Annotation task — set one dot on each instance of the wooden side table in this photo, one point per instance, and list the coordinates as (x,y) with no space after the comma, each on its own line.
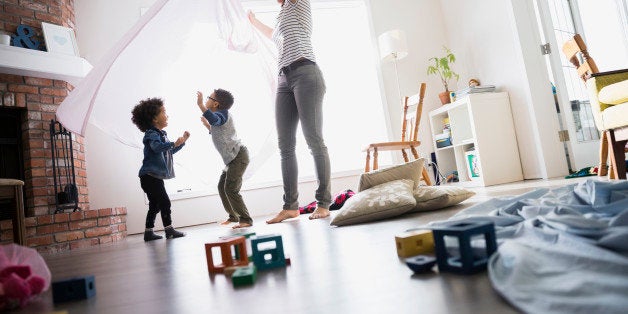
(12,189)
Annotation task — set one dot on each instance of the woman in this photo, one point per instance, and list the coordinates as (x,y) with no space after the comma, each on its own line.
(300,93)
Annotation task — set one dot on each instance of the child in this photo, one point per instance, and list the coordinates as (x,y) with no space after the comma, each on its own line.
(151,118)
(220,124)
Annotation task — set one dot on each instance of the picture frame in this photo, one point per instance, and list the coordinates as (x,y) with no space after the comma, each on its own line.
(60,39)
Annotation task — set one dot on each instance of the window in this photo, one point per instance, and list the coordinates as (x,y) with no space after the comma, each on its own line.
(353,106)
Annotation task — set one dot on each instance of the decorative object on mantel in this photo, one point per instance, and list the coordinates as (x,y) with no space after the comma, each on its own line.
(25,38)
(5,38)
(443,70)
(60,39)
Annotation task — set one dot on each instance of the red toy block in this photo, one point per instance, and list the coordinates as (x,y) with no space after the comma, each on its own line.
(239,244)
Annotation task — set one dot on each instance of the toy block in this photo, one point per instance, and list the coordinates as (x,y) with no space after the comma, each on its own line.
(277,257)
(229,270)
(79,288)
(244,276)
(421,263)
(245,234)
(288,261)
(466,262)
(239,243)
(414,243)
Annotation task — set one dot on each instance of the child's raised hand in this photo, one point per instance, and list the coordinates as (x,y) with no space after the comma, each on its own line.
(206,123)
(199,101)
(182,139)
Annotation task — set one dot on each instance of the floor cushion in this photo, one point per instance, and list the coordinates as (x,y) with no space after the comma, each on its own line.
(382,201)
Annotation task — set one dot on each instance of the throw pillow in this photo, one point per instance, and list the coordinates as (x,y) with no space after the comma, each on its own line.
(381,201)
(436,197)
(410,170)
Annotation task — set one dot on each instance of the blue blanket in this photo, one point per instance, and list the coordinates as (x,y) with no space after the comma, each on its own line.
(563,250)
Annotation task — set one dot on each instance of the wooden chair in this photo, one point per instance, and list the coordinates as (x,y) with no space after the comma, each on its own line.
(408,140)
(607,94)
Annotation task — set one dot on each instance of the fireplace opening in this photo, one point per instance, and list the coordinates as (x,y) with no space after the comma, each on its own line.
(11,153)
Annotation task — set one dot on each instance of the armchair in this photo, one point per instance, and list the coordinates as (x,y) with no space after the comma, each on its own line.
(608,95)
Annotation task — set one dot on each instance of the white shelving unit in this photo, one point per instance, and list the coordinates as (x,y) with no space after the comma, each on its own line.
(484,122)
(35,63)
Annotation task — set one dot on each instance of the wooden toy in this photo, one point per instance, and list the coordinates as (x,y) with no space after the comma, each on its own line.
(466,262)
(79,288)
(421,263)
(275,254)
(245,234)
(239,244)
(414,243)
(244,276)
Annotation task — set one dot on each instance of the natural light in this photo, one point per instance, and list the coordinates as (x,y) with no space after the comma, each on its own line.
(353,106)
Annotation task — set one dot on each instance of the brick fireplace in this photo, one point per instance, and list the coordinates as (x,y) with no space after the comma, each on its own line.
(27,106)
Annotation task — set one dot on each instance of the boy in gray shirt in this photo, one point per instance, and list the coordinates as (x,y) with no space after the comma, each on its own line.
(220,124)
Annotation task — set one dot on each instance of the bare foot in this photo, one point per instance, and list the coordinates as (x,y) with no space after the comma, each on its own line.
(241,225)
(226,222)
(319,212)
(283,215)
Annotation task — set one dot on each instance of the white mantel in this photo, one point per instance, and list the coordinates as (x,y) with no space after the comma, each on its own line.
(35,63)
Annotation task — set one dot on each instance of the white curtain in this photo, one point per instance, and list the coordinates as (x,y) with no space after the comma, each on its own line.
(153,60)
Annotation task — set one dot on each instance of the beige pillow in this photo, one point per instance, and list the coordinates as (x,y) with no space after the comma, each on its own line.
(382,201)
(436,197)
(409,170)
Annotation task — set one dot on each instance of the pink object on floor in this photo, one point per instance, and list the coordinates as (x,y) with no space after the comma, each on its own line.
(23,275)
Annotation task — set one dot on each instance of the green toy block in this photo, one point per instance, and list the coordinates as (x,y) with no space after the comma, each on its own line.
(245,234)
(244,276)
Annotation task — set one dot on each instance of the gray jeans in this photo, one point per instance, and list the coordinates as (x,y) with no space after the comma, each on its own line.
(229,188)
(300,95)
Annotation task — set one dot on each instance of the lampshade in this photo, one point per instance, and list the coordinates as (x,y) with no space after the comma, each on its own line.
(393,45)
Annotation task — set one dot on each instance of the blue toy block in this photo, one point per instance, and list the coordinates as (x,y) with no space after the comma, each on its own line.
(73,289)
(421,263)
(465,263)
(277,257)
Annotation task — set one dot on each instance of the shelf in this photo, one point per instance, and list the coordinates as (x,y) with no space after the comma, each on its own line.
(42,64)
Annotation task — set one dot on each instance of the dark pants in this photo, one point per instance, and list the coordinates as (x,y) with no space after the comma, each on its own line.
(229,188)
(158,200)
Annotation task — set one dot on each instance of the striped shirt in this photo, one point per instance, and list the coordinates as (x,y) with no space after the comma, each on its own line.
(293,32)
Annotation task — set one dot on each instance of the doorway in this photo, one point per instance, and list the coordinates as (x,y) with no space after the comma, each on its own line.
(558,21)
(11,160)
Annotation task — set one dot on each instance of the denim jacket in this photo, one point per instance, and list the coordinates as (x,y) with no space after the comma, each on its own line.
(158,151)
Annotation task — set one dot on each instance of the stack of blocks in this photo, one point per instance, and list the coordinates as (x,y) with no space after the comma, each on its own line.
(426,241)
(243,273)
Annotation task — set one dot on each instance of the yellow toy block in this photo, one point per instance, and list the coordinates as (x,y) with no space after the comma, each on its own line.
(414,243)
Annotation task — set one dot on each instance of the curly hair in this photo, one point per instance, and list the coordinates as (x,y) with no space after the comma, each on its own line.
(224,98)
(144,113)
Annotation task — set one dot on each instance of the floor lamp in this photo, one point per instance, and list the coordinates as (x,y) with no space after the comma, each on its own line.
(393,47)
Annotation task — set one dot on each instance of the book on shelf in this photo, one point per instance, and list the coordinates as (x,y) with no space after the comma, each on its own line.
(475,90)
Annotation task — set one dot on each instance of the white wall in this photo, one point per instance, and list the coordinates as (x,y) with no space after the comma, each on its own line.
(484,36)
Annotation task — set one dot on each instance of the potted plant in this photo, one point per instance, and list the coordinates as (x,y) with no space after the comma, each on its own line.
(442,68)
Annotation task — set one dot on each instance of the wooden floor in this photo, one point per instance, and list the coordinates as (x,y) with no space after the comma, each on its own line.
(352,269)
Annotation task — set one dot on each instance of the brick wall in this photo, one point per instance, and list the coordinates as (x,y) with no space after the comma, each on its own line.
(67,231)
(37,100)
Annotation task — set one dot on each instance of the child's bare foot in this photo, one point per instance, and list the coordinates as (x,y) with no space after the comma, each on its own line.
(319,212)
(283,215)
(242,225)
(227,222)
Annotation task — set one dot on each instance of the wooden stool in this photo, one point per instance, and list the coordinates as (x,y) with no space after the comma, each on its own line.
(12,189)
